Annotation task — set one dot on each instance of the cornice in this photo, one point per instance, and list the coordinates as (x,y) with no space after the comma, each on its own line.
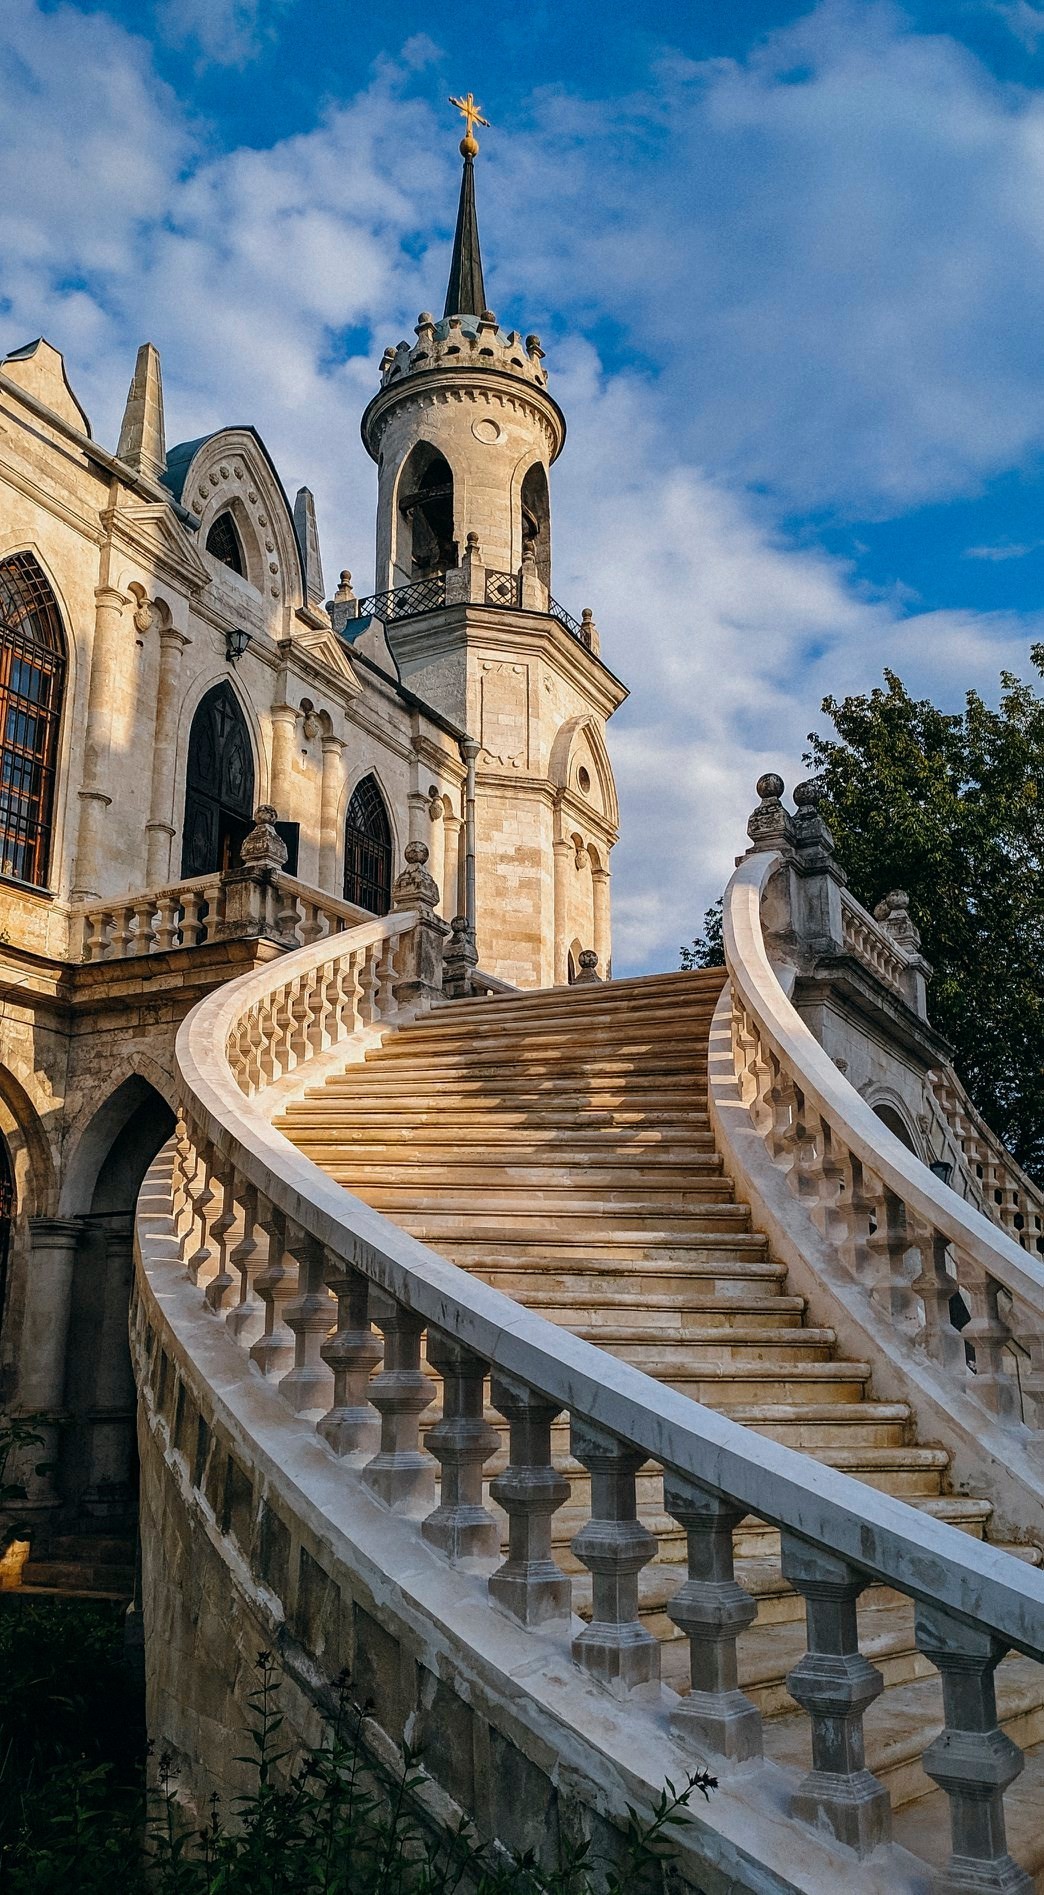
(464,383)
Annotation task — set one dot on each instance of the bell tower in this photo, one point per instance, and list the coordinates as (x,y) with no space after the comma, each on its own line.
(464,433)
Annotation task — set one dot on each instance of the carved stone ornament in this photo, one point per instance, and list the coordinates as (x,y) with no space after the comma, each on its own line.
(414,887)
(263,848)
(144,615)
(893,912)
(588,974)
(769,825)
(435,808)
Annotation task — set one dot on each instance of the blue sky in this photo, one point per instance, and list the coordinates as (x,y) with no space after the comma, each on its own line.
(787,262)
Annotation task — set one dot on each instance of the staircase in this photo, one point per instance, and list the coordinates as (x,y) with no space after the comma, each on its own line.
(557,1144)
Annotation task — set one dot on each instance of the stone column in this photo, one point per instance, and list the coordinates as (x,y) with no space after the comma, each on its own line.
(451,828)
(45,1331)
(284,725)
(329,804)
(94,793)
(602,932)
(159,829)
(563,853)
(470,750)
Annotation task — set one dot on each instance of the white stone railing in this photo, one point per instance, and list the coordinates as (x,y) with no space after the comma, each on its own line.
(997,1184)
(296,1272)
(869,944)
(199,909)
(890,1225)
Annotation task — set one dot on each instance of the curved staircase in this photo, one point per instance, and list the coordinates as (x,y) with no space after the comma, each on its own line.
(557,1144)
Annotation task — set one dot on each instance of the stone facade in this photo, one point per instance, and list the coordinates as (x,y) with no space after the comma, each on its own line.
(192,635)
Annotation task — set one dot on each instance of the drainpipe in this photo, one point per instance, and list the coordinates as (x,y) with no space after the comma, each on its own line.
(469,750)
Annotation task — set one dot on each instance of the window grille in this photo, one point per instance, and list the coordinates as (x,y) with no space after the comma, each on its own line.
(32,678)
(368,850)
(223,543)
(502,588)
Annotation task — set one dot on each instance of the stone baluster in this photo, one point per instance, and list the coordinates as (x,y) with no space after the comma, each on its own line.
(201,1197)
(308,1386)
(282,1019)
(858,1207)
(369,986)
(828,1212)
(615,1648)
(1031,1335)
(529,1585)
(123,938)
(989,1336)
(222,1283)
(972,1759)
(167,934)
(834,1683)
(779,1099)
(144,913)
(184,1166)
(193,926)
(711,1609)
(462,1442)
(274,1349)
(401,1473)
(352,1425)
(288,915)
(935,1286)
(889,1248)
(246,1317)
(803,1173)
(385,996)
(301,1016)
(319,1030)
(340,999)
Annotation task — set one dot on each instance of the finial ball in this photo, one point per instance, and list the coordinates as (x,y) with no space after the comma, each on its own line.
(469,146)
(807,795)
(769,786)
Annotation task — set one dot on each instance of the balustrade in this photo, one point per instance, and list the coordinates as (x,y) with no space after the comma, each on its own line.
(230,1175)
(190,913)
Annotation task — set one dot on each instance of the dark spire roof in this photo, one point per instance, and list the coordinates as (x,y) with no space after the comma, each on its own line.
(466,295)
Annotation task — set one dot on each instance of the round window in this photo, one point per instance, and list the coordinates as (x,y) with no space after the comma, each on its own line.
(583,777)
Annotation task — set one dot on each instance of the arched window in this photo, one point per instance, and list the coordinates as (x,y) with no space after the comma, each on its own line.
(32,678)
(426,542)
(536,521)
(219,785)
(224,543)
(368,850)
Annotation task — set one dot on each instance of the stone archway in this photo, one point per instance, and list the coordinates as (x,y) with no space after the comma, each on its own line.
(97,1460)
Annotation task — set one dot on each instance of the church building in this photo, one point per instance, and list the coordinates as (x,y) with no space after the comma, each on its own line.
(173,682)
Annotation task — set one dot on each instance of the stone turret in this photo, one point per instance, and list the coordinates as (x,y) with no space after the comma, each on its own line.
(464,433)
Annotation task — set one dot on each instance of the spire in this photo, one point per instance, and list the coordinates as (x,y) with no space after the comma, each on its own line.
(142,443)
(466,294)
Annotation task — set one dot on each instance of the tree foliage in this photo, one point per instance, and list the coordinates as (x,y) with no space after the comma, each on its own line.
(950,807)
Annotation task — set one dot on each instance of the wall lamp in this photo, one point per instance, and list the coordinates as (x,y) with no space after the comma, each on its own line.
(236,643)
(940,1169)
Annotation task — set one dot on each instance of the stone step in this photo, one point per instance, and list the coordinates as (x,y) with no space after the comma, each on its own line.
(526,1068)
(391,1164)
(726,1266)
(103,1578)
(702,1348)
(680,1093)
(650,1125)
(704,1198)
(629,1040)
(671,1319)
(584,1223)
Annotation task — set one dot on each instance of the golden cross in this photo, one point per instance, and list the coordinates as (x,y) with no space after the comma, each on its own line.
(473,116)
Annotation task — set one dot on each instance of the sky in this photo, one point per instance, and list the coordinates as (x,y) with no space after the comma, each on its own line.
(787,263)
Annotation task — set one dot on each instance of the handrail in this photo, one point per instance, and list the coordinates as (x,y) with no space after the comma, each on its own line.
(233,1170)
(891,1213)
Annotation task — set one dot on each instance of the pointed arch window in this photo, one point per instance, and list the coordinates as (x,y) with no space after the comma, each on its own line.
(32,681)
(224,543)
(368,849)
(219,785)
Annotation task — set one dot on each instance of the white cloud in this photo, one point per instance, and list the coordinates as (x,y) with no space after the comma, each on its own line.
(226,32)
(829,262)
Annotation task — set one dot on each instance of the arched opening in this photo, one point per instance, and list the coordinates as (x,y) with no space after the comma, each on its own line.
(368,849)
(224,543)
(896,1125)
(219,785)
(98,1457)
(32,680)
(536,522)
(426,542)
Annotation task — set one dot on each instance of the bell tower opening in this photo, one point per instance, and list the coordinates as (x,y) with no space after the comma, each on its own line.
(536,522)
(426,545)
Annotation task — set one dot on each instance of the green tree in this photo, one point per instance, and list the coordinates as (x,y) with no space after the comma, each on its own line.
(950,808)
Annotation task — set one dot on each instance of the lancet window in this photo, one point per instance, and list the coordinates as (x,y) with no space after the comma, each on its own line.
(368,849)
(32,680)
(224,543)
